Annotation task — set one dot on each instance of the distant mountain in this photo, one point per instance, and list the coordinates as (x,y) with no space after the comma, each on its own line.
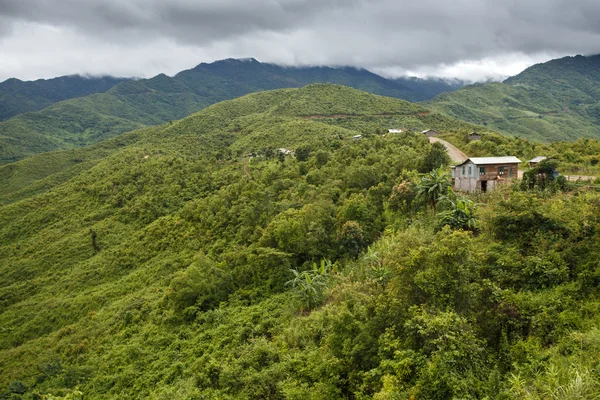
(262,76)
(18,96)
(136,103)
(556,100)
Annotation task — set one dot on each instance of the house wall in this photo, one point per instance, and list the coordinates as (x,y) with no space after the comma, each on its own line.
(493,171)
(467,178)
(468,170)
(466,184)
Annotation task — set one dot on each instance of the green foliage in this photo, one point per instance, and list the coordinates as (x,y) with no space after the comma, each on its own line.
(310,283)
(543,176)
(198,232)
(435,159)
(433,187)
(459,213)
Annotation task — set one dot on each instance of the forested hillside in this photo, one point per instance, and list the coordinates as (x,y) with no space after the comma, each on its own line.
(137,103)
(17,97)
(195,260)
(554,101)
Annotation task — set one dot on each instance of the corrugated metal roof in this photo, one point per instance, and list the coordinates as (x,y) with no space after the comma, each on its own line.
(537,159)
(493,160)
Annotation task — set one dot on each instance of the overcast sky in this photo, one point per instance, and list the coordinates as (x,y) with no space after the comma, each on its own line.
(467,39)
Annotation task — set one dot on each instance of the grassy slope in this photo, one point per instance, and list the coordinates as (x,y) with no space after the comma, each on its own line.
(133,104)
(548,102)
(178,211)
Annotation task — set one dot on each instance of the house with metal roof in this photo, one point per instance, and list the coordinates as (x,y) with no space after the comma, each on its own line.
(484,173)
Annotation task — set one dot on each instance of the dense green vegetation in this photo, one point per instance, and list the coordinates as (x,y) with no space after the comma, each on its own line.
(554,101)
(17,97)
(137,103)
(192,260)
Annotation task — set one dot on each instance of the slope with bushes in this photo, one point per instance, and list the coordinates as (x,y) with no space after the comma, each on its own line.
(192,260)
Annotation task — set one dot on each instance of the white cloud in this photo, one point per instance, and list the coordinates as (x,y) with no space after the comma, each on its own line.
(488,68)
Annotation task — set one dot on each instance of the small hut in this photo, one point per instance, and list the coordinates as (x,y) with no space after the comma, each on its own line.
(536,160)
(430,132)
(474,136)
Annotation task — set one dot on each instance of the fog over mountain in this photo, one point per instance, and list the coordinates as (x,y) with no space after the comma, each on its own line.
(468,39)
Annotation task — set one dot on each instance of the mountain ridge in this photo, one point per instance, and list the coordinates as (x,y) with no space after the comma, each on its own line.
(552,101)
(135,103)
(18,96)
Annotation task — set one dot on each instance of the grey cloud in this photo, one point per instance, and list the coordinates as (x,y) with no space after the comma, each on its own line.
(377,34)
(183,20)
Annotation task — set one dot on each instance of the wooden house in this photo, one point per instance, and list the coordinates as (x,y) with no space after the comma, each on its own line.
(484,173)
(430,132)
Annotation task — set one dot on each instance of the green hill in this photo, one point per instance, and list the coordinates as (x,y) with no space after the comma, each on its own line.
(176,262)
(137,103)
(17,97)
(554,101)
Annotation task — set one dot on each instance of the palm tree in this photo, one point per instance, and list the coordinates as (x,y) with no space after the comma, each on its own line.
(433,186)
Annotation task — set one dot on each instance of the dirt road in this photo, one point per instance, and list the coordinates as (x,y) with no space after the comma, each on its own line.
(455,154)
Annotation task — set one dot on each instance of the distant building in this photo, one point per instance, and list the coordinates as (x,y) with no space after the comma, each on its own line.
(534,161)
(430,132)
(474,136)
(484,173)
(285,152)
(395,130)
(356,137)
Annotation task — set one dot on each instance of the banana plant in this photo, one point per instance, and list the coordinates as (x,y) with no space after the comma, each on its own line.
(309,284)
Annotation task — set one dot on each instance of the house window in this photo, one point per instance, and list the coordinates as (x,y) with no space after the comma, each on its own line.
(481,171)
(469,170)
(510,172)
(501,170)
(463,171)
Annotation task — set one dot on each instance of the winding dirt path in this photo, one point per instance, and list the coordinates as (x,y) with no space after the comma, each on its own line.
(455,154)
